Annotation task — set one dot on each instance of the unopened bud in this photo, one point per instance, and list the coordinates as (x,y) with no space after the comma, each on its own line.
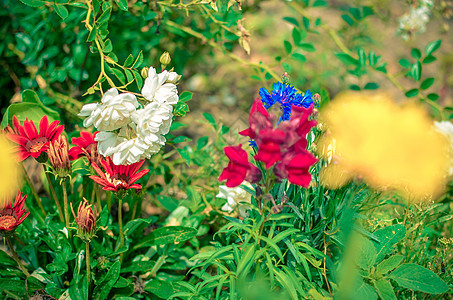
(59,157)
(165,59)
(144,72)
(285,78)
(86,220)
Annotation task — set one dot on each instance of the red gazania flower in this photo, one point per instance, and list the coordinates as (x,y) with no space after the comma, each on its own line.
(30,141)
(85,146)
(11,217)
(239,168)
(119,177)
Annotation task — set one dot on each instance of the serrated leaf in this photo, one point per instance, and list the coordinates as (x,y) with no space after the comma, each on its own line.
(61,10)
(428,82)
(389,264)
(415,277)
(384,289)
(433,46)
(388,237)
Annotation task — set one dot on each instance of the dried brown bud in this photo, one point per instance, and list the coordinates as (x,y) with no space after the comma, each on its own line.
(58,154)
(86,220)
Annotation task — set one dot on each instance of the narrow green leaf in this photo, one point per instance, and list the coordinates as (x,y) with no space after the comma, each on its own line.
(306,22)
(415,277)
(428,82)
(296,36)
(291,21)
(119,75)
(362,57)
(33,3)
(433,46)
(138,79)
(129,75)
(129,60)
(138,61)
(105,16)
(210,119)
(372,58)
(92,34)
(385,289)
(139,266)
(167,235)
(416,71)
(347,59)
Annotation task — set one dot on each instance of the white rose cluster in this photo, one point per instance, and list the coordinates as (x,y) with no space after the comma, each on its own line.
(129,132)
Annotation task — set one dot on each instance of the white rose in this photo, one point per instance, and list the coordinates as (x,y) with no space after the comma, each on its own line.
(159,87)
(113,112)
(236,197)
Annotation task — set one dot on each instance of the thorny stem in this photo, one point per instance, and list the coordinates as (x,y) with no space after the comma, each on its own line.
(87,262)
(16,257)
(35,194)
(54,195)
(66,210)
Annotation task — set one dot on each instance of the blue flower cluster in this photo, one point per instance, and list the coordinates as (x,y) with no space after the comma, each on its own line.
(286,95)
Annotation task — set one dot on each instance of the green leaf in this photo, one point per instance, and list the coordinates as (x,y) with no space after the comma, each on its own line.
(92,34)
(181,139)
(411,93)
(103,288)
(138,79)
(371,86)
(307,47)
(384,289)
(167,202)
(296,36)
(416,71)
(185,155)
(139,266)
(288,47)
(364,292)
(210,119)
(105,16)
(404,63)
(362,57)
(388,236)
(433,46)
(177,125)
(119,75)
(122,4)
(347,59)
(416,53)
(429,59)
(129,75)
(367,255)
(33,3)
(5,260)
(61,10)
(433,96)
(348,19)
(129,60)
(163,289)
(415,277)
(389,264)
(167,235)
(427,83)
(306,22)
(292,21)
(372,59)
(138,61)
(185,96)
(299,57)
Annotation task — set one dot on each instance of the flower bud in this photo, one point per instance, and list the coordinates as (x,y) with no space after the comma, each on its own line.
(144,72)
(86,220)
(59,157)
(165,59)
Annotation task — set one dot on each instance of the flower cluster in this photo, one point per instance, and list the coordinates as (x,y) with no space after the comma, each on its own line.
(416,20)
(282,147)
(286,96)
(128,132)
(236,197)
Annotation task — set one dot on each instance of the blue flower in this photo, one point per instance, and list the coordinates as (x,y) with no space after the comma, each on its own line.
(286,95)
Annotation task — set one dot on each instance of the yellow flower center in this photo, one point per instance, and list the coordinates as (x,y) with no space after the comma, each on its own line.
(7,221)
(35,145)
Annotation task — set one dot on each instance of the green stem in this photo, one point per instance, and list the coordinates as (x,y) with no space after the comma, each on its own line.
(160,261)
(120,223)
(35,194)
(16,257)
(54,195)
(66,208)
(87,261)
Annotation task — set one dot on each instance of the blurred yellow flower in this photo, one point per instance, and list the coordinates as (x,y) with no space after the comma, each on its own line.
(387,145)
(9,175)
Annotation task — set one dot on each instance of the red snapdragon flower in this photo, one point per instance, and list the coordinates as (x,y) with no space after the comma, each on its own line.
(116,178)
(269,144)
(239,168)
(13,216)
(85,146)
(30,141)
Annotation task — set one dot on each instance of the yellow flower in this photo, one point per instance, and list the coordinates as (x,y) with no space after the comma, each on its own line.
(9,176)
(389,146)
